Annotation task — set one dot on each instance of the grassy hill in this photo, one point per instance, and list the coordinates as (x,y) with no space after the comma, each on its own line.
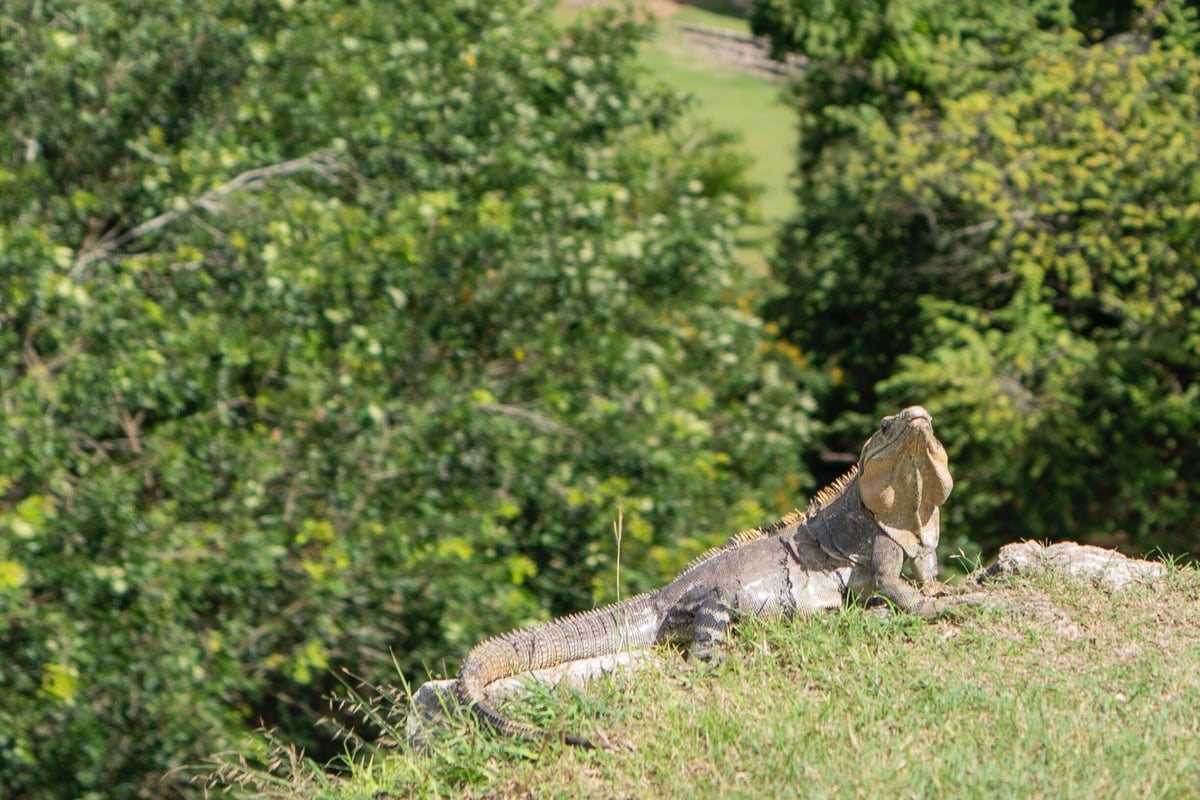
(1056,689)
(724,96)
(748,104)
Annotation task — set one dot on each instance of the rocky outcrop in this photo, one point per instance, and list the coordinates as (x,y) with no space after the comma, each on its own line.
(1107,569)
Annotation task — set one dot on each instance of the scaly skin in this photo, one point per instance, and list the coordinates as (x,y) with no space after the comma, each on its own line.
(849,546)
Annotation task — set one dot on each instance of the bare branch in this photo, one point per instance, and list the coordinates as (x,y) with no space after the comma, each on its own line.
(1019,217)
(540,422)
(322,163)
(828,456)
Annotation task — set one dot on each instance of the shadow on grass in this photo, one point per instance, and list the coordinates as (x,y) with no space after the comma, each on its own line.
(726,8)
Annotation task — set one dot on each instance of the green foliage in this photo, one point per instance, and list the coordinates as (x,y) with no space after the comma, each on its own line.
(874,64)
(1087,219)
(332,331)
(1016,250)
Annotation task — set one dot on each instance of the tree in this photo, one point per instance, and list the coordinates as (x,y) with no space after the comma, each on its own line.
(1000,221)
(336,335)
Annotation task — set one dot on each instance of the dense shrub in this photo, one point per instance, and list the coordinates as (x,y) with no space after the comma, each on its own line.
(999,220)
(333,333)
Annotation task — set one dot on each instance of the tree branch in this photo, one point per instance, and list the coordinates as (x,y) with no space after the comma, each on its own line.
(540,422)
(323,163)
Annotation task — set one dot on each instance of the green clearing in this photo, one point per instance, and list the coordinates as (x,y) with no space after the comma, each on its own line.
(734,100)
(714,13)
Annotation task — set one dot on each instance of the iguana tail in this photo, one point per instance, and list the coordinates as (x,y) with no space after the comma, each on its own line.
(608,630)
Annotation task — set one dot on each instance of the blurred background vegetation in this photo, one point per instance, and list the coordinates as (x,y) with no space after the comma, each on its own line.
(336,335)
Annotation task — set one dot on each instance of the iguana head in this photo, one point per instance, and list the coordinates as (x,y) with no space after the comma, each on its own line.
(904,477)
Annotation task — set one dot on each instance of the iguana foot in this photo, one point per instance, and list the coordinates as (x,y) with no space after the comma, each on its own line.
(953,602)
(601,742)
(930,607)
(708,655)
(937,588)
(880,611)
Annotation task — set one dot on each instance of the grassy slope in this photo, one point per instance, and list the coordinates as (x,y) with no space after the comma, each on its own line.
(1055,690)
(748,105)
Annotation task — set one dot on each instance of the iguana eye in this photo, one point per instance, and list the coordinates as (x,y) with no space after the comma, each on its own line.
(886,423)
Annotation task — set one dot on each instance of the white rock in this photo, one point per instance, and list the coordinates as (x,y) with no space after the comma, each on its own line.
(1105,568)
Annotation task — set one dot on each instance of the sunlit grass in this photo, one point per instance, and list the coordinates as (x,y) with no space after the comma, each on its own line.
(1055,689)
(729,98)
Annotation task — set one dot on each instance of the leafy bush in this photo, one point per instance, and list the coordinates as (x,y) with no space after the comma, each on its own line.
(337,332)
(1000,221)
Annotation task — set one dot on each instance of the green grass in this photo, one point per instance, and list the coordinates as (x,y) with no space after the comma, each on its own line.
(713,13)
(743,103)
(731,99)
(1053,690)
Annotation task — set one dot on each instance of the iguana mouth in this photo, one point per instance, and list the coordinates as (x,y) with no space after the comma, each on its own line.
(927,441)
(892,439)
(917,414)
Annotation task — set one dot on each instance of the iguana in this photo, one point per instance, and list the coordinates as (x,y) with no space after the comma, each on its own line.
(849,545)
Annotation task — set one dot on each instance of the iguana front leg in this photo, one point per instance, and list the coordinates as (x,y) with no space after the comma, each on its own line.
(887,560)
(924,566)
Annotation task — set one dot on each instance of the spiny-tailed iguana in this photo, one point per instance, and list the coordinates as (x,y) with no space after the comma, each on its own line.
(848,546)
